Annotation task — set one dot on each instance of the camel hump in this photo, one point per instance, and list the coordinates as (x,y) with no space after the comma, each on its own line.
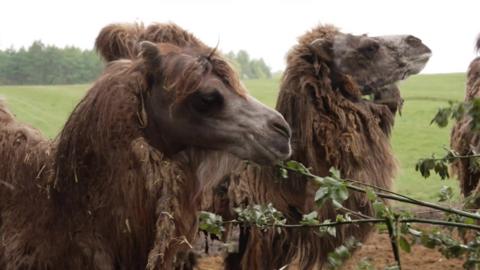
(5,115)
(477,44)
(117,41)
(473,80)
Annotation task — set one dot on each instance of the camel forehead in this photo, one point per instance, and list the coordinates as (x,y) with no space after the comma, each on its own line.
(348,40)
(213,82)
(406,45)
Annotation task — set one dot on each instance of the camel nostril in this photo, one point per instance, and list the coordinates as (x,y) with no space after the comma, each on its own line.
(281,128)
(413,41)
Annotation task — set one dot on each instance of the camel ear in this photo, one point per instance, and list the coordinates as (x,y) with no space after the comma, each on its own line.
(150,54)
(322,48)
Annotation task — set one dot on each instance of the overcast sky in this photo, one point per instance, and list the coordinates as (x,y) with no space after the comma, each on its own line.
(265,29)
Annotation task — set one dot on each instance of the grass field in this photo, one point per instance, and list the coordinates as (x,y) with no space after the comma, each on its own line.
(47,108)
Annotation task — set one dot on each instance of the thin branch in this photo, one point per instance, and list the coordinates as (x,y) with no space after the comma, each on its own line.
(430,205)
(395,197)
(329,224)
(354,213)
(394,242)
(370,220)
(440,222)
(377,188)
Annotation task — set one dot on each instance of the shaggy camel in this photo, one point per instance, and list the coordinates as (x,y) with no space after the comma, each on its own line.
(333,127)
(463,140)
(109,191)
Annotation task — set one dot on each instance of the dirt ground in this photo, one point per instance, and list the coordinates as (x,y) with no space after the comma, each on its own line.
(378,250)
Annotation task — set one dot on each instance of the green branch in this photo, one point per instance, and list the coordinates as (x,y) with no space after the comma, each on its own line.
(391,195)
(370,220)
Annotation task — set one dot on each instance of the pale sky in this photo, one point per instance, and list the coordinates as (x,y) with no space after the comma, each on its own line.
(265,29)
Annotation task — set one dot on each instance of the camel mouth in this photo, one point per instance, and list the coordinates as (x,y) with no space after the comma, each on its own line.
(423,58)
(274,152)
(416,65)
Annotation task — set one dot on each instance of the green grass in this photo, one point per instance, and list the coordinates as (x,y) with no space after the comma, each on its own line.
(414,137)
(47,108)
(44,107)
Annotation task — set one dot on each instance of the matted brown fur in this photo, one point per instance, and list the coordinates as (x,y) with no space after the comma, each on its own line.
(24,153)
(463,140)
(99,196)
(332,127)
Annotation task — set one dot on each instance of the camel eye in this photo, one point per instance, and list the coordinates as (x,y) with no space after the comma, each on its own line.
(207,102)
(370,49)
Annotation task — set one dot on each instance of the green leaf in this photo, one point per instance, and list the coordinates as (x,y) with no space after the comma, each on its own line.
(428,241)
(342,252)
(211,223)
(404,244)
(334,172)
(296,166)
(283,173)
(321,193)
(365,264)
(336,204)
(469,221)
(380,209)
(445,194)
(441,169)
(343,218)
(332,230)
(371,195)
(321,196)
(342,193)
(310,219)
(392,267)
(442,116)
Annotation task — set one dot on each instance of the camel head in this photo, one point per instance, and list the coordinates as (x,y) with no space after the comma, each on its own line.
(195,100)
(376,62)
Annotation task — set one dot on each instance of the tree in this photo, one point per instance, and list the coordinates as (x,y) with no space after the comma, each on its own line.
(48,64)
(247,67)
(41,64)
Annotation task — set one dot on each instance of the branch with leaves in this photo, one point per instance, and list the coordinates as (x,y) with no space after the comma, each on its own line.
(454,111)
(458,110)
(399,224)
(335,190)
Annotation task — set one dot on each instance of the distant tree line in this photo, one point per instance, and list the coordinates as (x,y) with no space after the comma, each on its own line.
(249,68)
(47,64)
(41,64)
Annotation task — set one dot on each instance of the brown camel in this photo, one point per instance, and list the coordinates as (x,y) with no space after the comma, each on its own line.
(118,187)
(320,96)
(464,140)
